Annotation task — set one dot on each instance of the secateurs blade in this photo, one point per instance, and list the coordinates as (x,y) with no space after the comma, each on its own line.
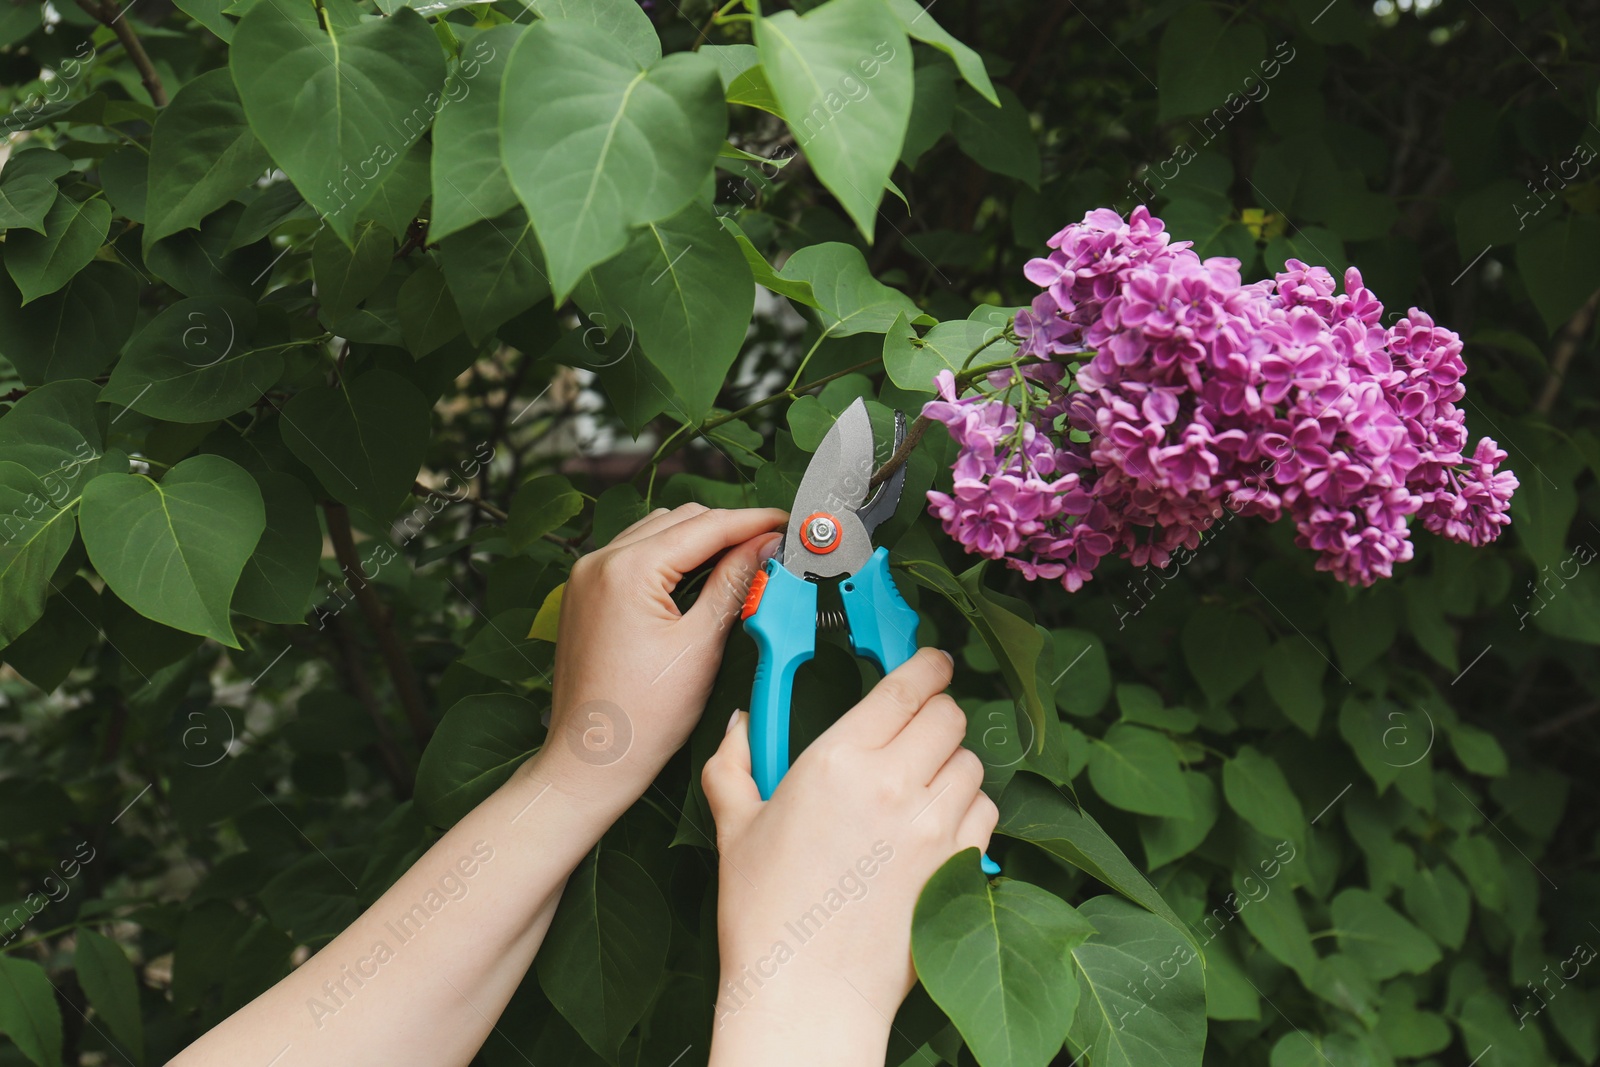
(829,537)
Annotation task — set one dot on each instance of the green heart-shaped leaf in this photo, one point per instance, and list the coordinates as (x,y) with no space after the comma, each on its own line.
(74,230)
(842,74)
(996,957)
(195,362)
(202,152)
(173,550)
(1144,1002)
(606,948)
(688,293)
(594,142)
(363,93)
(364,439)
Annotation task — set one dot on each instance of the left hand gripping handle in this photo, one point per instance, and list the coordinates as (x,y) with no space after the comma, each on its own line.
(781,615)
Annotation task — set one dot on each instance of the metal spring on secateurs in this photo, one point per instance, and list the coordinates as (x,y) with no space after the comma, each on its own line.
(830,619)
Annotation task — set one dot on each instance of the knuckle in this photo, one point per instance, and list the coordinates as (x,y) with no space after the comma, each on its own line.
(970,766)
(988,814)
(948,716)
(888,791)
(898,691)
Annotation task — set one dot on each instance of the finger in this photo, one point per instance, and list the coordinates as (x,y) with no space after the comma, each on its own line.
(730,789)
(958,781)
(884,712)
(682,546)
(656,521)
(976,828)
(725,590)
(932,738)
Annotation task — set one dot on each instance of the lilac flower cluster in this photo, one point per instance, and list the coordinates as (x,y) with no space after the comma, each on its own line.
(1194,392)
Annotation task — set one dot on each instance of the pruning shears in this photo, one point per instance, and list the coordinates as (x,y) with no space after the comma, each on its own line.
(829,537)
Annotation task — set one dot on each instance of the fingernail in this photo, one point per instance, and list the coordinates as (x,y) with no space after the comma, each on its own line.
(768,550)
(733,719)
(949,657)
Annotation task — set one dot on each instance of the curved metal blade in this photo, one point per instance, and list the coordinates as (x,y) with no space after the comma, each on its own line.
(835,483)
(884,502)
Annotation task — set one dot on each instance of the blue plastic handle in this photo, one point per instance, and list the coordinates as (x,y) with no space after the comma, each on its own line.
(784,626)
(883,628)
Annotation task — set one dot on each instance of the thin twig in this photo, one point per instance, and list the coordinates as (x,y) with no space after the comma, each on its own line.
(1568,342)
(482,505)
(919,426)
(356,677)
(381,623)
(109,12)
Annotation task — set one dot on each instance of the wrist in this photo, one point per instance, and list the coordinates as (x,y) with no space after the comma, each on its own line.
(774,1008)
(604,789)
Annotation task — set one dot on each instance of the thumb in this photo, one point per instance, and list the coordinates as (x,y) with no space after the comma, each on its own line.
(730,789)
(720,604)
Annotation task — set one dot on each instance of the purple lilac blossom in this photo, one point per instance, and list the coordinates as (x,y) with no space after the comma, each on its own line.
(1196,393)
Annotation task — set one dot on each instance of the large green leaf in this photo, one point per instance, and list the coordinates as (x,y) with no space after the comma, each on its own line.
(996,957)
(47,651)
(594,142)
(72,333)
(364,439)
(54,432)
(946,347)
(480,741)
(1439,903)
(918,21)
(1168,839)
(1272,915)
(113,990)
(34,537)
(1144,1002)
(1205,60)
(539,507)
(1224,650)
(278,580)
(688,293)
(337,108)
(606,949)
(504,649)
(842,74)
(494,270)
(428,315)
(1257,789)
(197,361)
(346,274)
(173,550)
(1031,809)
(849,299)
(469,180)
(28,187)
(1380,938)
(1292,670)
(202,152)
(28,1012)
(1560,265)
(1002,141)
(1137,770)
(74,230)
(622,20)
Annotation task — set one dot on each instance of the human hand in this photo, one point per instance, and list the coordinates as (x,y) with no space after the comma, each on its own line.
(817,885)
(632,673)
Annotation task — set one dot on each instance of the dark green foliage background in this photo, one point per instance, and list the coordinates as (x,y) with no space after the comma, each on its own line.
(1374,809)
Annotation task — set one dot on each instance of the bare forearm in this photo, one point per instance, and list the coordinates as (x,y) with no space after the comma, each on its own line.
(422,975)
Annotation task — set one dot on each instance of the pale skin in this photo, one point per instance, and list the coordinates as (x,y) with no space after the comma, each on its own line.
(890,773)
